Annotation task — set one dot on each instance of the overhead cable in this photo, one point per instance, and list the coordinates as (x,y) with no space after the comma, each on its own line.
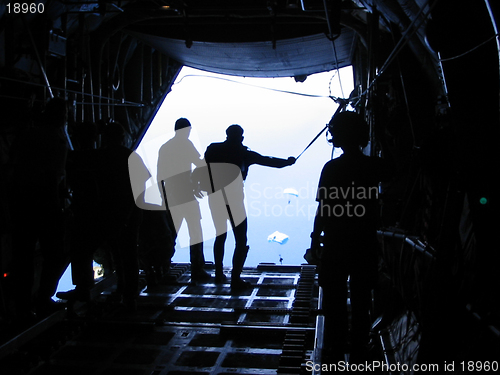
(471,50)
(257,86)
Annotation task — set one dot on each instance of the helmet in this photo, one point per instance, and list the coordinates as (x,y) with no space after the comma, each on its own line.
(349,129)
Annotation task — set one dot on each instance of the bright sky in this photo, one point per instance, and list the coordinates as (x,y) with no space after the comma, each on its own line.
(277,124)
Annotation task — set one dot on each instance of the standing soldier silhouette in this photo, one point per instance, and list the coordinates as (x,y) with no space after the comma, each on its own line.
(232,151)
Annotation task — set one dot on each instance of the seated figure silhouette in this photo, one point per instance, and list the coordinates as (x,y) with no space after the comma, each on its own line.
(105,216)
(347,217)
(156,237)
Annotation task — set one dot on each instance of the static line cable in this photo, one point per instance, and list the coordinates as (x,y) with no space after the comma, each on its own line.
(410,30)
(338,70)
(314,139)
(342,104)
(495,27)
(332,39)
(257,86)
(330,81)
(327,19)
(471,50)
(37,55)
(405,95)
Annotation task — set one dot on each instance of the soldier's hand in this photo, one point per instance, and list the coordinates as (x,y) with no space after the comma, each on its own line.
(291,160)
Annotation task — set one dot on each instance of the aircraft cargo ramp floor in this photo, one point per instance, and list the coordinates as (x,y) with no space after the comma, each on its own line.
(181,328)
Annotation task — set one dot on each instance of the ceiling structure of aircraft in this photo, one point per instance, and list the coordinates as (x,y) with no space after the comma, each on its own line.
(426,74)
(123,53)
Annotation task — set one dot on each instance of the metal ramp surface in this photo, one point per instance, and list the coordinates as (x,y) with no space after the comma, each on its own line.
(183,328)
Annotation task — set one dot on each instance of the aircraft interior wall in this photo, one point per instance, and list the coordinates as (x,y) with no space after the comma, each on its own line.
(439,216)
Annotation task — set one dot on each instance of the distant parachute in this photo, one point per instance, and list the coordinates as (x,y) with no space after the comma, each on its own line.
(290,192)
(278,237)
